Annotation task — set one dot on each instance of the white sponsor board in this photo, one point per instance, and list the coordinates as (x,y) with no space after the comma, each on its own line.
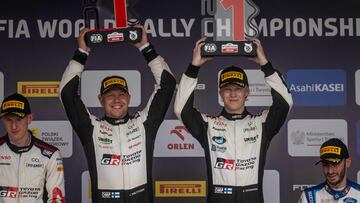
(305,136)
(271,186)
(1,87)
(91,82)
(260,94)
(56,133)
(85,187)
(357,87)
(174,140)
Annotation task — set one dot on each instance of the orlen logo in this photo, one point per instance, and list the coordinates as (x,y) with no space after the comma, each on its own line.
(178,132)
(318,87)
(111,159)
(227,164)
(39,89)
(9,192)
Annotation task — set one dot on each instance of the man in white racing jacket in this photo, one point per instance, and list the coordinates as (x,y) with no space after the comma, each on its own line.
(235,142)
(31,171)
(337,188)
(119,147)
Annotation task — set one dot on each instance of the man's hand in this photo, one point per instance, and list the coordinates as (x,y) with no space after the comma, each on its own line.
(81,40)
(260,57)
(197,59)
(144,38)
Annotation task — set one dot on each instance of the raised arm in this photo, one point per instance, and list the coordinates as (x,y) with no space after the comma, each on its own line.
(75,109)
(184,101)
(282,100)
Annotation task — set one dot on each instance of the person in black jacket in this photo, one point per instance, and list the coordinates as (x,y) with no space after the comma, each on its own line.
(118,146)
(235,141)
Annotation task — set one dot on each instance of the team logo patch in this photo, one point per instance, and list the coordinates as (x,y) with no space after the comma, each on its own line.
(219,139)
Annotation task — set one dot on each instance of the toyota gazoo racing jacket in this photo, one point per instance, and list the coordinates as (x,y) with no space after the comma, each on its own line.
(119,152)
(323,193)
(235,145)
(31,174)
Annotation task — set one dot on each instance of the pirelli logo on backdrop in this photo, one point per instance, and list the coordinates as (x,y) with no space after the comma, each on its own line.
(39,89)
(180,189)
(330,150)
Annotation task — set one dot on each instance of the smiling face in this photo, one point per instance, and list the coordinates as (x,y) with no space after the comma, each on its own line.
(335,174)
(115,102)
(234,98)
(17,128)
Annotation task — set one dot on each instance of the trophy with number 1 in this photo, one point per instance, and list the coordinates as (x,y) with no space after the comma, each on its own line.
(122,32)
(233,28)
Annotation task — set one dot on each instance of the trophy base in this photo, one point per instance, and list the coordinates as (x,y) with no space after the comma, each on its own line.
(113,35)
(228,48)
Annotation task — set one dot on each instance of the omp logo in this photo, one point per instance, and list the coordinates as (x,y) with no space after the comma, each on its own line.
(9,192)
(227,164)
(38,89)
(318,87)
(178,132)
(13,104)
(111,159)
(357,87)
(180,189)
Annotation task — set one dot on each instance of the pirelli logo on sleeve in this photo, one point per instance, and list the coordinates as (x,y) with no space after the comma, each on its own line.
(13,104)
(39,89)
(330,150)
(232,74)
(114,81)
(180,189)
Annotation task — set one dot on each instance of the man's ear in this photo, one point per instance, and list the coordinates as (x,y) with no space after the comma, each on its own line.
(30,118)
(100,99)
(348,162)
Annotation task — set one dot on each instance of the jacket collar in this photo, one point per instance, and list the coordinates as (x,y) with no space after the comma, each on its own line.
(232,116)
(17,149)
(114,121)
